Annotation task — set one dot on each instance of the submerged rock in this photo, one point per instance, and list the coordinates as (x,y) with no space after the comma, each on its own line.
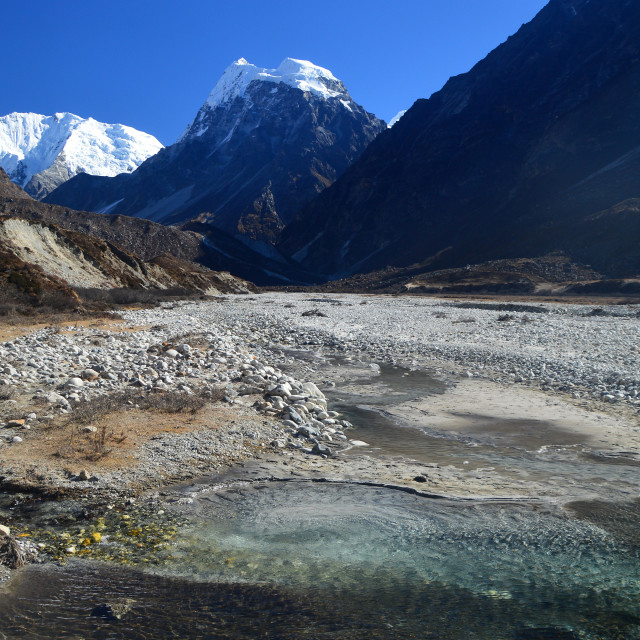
(113,611)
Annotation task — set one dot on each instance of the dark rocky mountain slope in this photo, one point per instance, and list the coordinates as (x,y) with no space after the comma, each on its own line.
(534,150)
(264,143)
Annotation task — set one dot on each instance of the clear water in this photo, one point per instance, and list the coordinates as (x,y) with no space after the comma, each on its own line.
(300,559)
(317,560)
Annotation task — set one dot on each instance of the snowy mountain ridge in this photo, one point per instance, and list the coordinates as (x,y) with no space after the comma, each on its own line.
(264,143)
(298,74)
(40,152)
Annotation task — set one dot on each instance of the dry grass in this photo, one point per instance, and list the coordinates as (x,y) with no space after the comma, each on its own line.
(62,448)
(161,401)
(96,444)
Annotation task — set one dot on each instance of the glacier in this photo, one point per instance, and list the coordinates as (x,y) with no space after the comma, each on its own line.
(31,143)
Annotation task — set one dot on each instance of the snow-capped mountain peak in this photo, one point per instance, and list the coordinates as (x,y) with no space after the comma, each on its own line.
(237,78)
(299,74)
(65,144)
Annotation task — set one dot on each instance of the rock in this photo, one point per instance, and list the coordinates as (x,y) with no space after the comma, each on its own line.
(75,382)
(82,475)
(282,390)
(321,449)
(312,390)
(16,439)
(90,375)
(359,443)
(295,416)
(4,531)
(171,353)
(314,312)
(11,555)
(249,390)
(279,444)
(15,424)
(90,429)
(420,479)
(113,611)
(308,431)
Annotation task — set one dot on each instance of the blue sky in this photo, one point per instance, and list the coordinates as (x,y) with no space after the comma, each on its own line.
(150,64)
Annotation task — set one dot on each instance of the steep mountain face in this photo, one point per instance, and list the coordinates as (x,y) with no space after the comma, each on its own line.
(527,153)
(39,152)
(264,143)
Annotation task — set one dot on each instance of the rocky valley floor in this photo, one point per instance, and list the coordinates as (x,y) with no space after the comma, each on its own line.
(458,399)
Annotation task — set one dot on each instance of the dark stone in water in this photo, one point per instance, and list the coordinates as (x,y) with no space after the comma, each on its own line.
(420,479)
(11,554)
(113,611)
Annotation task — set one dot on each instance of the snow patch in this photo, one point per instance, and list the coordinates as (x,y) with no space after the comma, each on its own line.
(301,254)
(110,207)
(299,74)
(396,118)
(30,143)
(346,105)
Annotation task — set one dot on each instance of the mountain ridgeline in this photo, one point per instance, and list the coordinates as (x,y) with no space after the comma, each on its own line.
(39,152)
(533,152)
(535,149)
(263,145)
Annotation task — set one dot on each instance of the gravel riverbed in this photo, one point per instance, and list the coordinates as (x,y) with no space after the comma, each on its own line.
(237,347)
(88,408)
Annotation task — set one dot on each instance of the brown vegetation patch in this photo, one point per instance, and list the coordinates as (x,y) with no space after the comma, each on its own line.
(63,447)
(17,325)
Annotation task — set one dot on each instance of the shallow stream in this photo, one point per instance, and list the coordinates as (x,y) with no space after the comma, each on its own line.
(302,559)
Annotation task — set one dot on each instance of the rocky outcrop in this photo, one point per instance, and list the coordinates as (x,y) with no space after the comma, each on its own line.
(203,245)
(512,159)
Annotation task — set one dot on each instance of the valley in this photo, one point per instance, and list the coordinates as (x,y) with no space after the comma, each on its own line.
(528,406)
(300,373)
